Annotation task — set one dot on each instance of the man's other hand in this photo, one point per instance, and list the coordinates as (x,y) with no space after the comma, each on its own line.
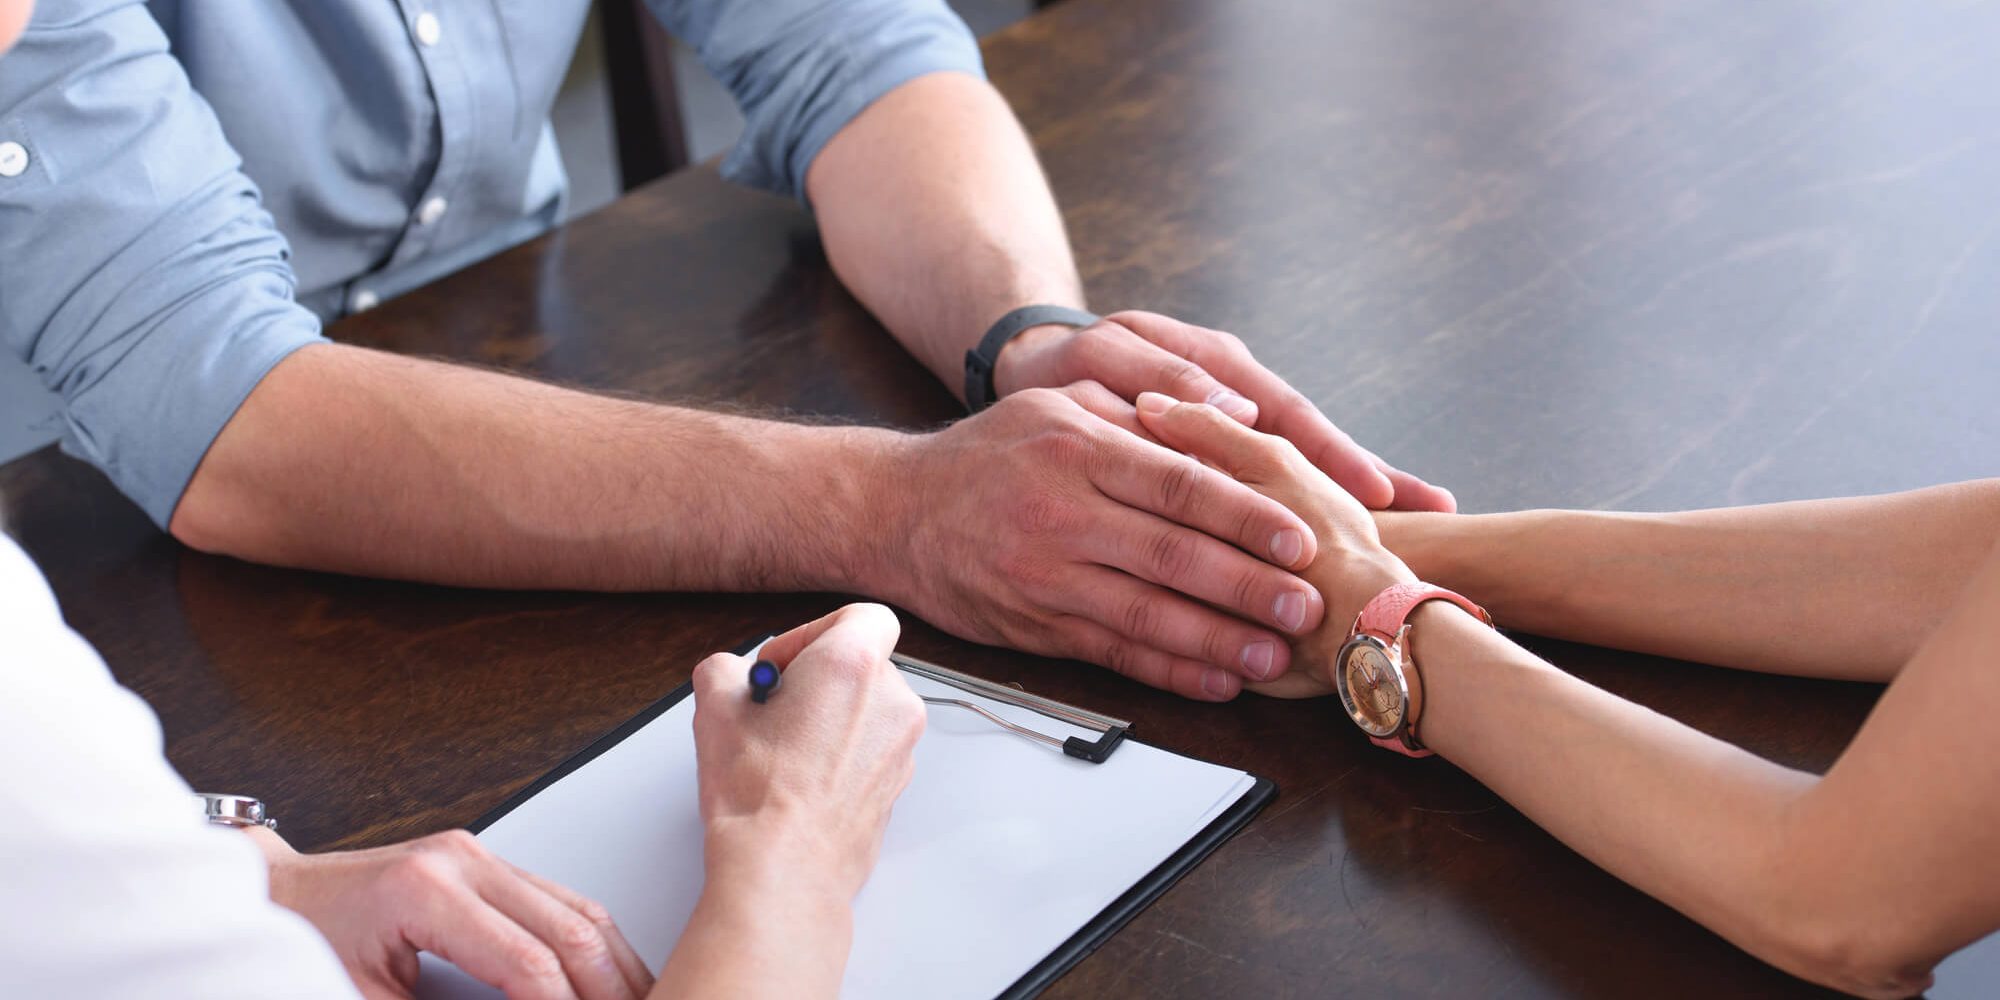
(1133,352)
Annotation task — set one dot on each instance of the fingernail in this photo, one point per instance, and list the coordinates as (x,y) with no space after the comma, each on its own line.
(1290,610)
(1216,683)
(1287,546)
(1259,657)
(1230,403)
(1154,404)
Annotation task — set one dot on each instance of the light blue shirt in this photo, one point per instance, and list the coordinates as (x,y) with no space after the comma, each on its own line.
(188,188)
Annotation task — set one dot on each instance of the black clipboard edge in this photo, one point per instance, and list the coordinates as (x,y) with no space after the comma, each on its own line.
(1092,935)
(582,757)
(1087,939)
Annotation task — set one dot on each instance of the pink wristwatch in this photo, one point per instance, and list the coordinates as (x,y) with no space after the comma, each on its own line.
(1375,674)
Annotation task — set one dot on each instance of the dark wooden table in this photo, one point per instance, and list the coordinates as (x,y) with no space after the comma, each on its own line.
(1644,255)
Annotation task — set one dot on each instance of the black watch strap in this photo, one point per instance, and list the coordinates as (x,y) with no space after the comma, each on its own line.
(979,361)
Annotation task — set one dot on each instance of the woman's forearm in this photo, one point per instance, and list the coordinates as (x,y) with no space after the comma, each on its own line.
(1832,588)
(1863,879)
(1702,825)
(764,928)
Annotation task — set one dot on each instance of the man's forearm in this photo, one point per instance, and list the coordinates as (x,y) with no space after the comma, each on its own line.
(1843,588)
(936,215)
(361,462)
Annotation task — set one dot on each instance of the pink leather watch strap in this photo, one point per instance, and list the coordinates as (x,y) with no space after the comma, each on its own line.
(1384,617)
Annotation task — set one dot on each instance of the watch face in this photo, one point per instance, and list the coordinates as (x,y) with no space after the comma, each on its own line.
(1371,688)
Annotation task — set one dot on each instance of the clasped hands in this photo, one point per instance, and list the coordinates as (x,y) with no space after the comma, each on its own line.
(1066,522)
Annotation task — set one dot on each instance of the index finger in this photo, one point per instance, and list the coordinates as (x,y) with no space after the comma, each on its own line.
(871,627)
(1175,486)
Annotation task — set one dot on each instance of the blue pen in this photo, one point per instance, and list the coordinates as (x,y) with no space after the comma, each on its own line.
(764,678)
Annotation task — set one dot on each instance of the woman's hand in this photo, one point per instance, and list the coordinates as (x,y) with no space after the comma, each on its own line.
(1352,565)
(795,796)
(447,895)
(814,771)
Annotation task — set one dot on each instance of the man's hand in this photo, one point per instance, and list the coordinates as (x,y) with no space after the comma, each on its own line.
(447,895)
(1134,352)
(1352,567)
(1050,524)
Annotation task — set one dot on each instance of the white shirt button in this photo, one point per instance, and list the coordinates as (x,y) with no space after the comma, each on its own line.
(431,211)
(13,159)
(362,300)
(428,28)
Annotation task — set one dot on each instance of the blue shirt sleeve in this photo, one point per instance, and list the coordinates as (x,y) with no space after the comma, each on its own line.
(801,69)
(140,276)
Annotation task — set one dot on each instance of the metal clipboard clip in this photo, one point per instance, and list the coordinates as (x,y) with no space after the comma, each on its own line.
(1111,732)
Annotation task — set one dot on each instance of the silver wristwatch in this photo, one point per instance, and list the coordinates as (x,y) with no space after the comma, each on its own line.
(234,810)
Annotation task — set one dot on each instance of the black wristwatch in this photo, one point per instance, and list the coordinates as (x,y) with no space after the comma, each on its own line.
(979,362)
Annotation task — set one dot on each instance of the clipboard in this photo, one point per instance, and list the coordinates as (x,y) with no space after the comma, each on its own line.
(1111,734)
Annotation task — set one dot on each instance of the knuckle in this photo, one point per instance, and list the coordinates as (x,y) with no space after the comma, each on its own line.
(1244,589)
(577,935)
(1141,615)
(1040,513)
(1183,375)
(424,872)
(710,668)
(593,911)
(1172,554)
(1267,455)
(1249,518)
(1216,644)
(1037,398)
(912,716)
(1177,486)
(1282,450)
(1092,395)
(1063,445)
(847,663)
(1119,657)
(1028,569)
(534,961)
(456,842)
(865,613)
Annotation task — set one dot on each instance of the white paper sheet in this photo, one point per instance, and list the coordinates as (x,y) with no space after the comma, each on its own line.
(1000,849)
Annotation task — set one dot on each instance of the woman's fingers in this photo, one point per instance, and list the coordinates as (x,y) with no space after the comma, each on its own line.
(1281,409)
(457,924)
(1413,493)
(578,939)
(1205,433)
(637,975)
